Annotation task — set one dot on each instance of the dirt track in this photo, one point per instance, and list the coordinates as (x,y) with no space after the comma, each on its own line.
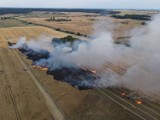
(56,113)
(20,99)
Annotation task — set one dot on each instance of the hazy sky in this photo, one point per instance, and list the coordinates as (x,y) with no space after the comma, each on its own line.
(141,4)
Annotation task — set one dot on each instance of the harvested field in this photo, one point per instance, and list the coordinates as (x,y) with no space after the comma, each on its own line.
(12,23)
(32,94)
(83,23)
(22,100)
(12,34)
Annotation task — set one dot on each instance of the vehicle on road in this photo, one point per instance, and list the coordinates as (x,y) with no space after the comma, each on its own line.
(25,69)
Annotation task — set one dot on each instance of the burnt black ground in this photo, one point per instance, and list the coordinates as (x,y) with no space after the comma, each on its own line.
(75,76)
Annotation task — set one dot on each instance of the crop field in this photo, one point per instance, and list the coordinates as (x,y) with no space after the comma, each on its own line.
(12,23)
(83,23)
(22,100)
(28,92)
(13,34)
(137,12)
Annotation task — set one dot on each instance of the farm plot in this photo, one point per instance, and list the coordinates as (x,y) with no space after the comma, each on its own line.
(13,34)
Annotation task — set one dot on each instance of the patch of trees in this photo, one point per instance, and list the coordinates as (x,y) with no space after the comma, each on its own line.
(134,17)
(70,32)
(55,13)
(4,11)
(58,19)
(91,15)
(69,38)
(63,40)
(29,10)
(4,18)
(78,34)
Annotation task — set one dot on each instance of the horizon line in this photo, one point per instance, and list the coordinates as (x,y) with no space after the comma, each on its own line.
(83,8)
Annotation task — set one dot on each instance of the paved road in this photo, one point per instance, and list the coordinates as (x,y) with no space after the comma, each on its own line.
(56,113)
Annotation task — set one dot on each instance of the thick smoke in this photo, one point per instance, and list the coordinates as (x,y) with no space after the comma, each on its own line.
(141,60)
(144,75)
(43,42)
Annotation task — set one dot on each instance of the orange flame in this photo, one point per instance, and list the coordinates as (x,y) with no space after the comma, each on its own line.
(45,69)
(39,67)
(87,69)
(34,66)
(123,94)
(138,101)
(93,71)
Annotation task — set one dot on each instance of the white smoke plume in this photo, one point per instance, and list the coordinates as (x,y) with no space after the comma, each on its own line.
(144,75)
(42,42)
(141,60)
(20,43)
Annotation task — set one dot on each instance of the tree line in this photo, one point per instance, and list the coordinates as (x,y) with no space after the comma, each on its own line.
(134,17)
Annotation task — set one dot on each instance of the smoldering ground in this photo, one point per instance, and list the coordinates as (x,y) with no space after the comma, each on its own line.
(141,60)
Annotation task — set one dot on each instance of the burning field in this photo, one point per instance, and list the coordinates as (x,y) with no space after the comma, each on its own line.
(77,76)
(85,64)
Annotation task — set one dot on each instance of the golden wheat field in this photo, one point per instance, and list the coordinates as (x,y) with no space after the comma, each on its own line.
(21,99)
(28,92)
(86,23)
(13,34)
